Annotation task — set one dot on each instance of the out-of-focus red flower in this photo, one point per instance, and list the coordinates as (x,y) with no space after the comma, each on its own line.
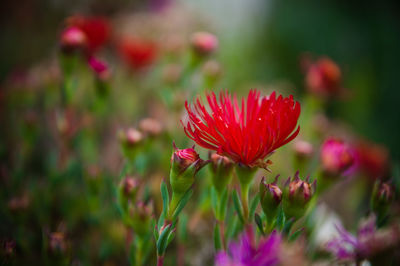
(96,28)
(73,39)
(374,159)
(338,157)
(245,134)
(137,53)
(324,78)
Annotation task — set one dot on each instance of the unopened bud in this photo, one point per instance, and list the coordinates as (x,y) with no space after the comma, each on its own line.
(212,69)
(297,196)
(150,126)
(130,137)
(172,73)
(337,157)
(185,163)
(73,39)
(382,195)
(324,78)
(204,43)
(129,186)
(303,149)
(270,197)
(221,168)
(99,67)
(141,214)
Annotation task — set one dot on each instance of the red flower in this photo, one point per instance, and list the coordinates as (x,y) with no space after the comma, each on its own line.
(246,134)
(97,30)
(137,53)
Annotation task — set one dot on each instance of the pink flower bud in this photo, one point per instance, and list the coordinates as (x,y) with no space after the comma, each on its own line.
(73,39)
(204,43)
(337,157)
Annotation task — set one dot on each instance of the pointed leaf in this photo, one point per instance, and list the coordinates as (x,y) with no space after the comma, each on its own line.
(223,205)
(217,238)
(162,240)
(259,223)
(214,201)
(296,234)
(237,205)
(254,204)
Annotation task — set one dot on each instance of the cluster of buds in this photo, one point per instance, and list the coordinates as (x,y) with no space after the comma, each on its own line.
(137,213)
(270,198)
(296,196)
(337,157)
(221,168)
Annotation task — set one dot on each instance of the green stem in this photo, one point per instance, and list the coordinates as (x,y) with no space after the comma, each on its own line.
(244,195)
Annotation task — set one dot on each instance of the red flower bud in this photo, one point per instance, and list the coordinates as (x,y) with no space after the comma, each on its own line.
(324,78)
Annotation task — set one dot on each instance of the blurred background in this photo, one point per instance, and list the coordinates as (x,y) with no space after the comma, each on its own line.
(262,42)
(71,120)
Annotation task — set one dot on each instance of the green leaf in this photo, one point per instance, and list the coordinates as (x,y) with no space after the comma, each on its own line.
(237,205)
(223,205)
(171,236)
(259,223)
(288,225)
(214,201)
(296,234)
(280,219)
(254,204)
(217,238)
(162,240)
(165,199)
(182,203)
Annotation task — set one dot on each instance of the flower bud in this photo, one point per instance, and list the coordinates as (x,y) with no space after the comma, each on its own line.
(324,78)
(212,69)
(172,73)
(337,157)
(129,187)
(382,195)
(72,40)
(141,214)
(270,197)
(185,164)
(150,126)
(130,140)
(99,67)
(221,168)
(297,195)
(303,149)
(204,43)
